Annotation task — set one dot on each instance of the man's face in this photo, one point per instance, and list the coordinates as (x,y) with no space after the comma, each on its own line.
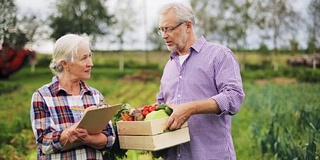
(173,31)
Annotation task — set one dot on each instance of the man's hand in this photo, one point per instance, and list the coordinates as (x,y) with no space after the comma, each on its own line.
(181,114)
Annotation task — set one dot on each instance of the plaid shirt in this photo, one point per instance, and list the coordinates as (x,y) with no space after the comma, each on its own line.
(52,111)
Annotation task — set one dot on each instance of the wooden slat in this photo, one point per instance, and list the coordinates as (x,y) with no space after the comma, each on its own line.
(152,127)
(155,142)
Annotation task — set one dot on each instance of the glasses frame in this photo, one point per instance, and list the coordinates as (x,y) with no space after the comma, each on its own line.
(168,29)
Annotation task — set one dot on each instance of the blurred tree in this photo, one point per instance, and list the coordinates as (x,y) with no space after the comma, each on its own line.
(156,40)
(15,32)
(314,28)
(294,46)
(277,18)
(231,29)
(89,17)
(263,49)
(124,27)
(14,29)
(239,24)
(8,19)
(27,29)
(227,21)
(207,18)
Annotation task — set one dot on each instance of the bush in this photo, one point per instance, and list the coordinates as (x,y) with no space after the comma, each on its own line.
(287,127)
(7,88)
(254,72)
(308,75)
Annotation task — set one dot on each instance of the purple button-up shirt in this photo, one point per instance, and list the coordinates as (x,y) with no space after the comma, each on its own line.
(210,70)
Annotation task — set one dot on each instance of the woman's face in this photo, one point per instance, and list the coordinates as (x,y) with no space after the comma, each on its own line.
(80,69)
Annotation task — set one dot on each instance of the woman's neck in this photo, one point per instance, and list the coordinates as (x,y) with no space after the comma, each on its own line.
(71,86)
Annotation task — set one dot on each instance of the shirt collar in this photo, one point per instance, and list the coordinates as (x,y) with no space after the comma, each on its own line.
(198,44)
(196,47)
(57,88)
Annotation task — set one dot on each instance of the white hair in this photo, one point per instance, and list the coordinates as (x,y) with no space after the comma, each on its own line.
(183,12)
(65,49)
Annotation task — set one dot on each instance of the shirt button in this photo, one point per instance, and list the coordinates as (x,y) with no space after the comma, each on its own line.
(180,77)
(178,155)
(178,96)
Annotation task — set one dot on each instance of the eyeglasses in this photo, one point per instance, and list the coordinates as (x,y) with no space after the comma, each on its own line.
(168,29)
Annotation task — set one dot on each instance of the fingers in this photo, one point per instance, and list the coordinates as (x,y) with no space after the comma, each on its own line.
(169,122)
(76,135)
(91,108)
(175,123)
(70,136)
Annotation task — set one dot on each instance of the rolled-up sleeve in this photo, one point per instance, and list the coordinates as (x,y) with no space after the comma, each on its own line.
(229,84)
(109,132)
(43,127)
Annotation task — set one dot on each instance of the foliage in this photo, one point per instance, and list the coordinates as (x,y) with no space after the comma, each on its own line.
(7,88)
(262,71)
(314,31)
(115,151)
(308,75)
(207,21)
(155,39)
(277,121)
(263,49)
(81,17)
(8,16)
(14,30)
(125,23)
(287,128)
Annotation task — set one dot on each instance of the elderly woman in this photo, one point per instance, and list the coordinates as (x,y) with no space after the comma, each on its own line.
(57,107)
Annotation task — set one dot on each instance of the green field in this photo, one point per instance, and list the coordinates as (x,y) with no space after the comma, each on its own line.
(279,118)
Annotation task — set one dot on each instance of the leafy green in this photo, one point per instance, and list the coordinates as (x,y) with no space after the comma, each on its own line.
(115,151)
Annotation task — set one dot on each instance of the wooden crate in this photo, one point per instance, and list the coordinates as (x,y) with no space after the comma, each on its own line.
(141,127)
(150,135)
(155,142)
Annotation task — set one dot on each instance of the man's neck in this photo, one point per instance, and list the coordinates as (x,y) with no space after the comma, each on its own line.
(192,39)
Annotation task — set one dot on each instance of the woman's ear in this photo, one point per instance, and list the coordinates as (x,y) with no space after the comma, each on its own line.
(64,64)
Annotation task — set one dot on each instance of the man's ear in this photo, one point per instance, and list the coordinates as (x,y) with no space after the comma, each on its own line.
(189,26)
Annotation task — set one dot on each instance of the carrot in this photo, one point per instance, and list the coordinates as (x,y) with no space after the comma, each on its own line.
(125,117)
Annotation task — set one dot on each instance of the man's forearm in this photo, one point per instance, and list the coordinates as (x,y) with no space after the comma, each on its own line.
(205,106)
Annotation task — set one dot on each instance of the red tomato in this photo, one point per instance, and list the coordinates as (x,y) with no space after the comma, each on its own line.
(145,108)
(152,108)
(144,112)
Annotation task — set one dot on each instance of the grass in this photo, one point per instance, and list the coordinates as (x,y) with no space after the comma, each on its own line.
(250,126)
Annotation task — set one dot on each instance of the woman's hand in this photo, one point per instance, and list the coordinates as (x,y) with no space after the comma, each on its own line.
(90,108)
(78,135)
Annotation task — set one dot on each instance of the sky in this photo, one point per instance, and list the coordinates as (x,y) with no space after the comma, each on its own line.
(43,8)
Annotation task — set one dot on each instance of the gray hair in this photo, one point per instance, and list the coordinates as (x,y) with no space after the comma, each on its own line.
(183,12)
(65,49)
